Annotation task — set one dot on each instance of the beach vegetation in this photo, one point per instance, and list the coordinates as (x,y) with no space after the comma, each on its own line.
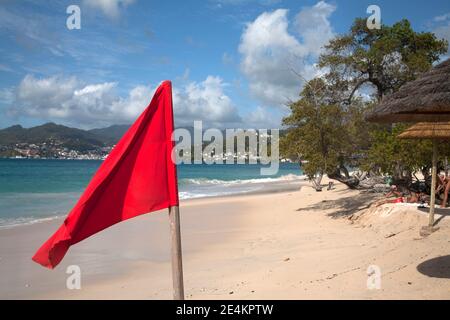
(326,128)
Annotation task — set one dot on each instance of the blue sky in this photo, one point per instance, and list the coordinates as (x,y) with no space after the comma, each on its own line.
(229,60)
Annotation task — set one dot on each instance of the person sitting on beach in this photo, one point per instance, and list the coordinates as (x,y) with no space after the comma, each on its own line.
(330,185)
(394,192)
(443,184)
(413,198)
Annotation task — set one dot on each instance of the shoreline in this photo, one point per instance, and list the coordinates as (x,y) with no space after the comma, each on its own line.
(160,257)
(271,187)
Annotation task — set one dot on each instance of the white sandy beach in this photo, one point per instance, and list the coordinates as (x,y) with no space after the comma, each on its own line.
(291,245)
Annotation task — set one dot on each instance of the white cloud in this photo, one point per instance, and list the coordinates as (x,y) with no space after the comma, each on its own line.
(262,117)
(71,101)
(204,101)
(442,27)
(6,96)
(270,52)
(111,8)
(441,18)
(443,32)
(314,28)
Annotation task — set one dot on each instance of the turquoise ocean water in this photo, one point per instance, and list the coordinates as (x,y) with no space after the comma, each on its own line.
(37,190)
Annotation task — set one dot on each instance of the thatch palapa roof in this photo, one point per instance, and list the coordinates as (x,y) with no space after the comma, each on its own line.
(427,130)
(425,99)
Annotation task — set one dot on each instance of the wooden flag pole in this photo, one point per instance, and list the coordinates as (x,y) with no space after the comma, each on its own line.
(177,262)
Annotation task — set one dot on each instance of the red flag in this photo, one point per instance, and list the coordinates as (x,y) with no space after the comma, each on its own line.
(137,177)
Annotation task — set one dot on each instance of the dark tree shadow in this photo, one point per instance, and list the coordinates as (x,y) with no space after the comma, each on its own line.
(346,206)
(437,267)
(444,212)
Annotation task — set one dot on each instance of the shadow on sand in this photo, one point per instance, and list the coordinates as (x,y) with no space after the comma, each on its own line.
(345,206)
(437,267)
(444,212)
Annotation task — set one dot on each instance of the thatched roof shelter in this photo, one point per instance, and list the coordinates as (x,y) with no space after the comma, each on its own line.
(425,99)
(434,131)
(427,130)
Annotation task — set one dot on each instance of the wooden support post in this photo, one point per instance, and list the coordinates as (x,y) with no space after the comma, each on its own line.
(177,261)
(433,184)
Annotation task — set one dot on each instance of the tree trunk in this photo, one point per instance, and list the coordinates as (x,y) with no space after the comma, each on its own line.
(316,181)
(351,182)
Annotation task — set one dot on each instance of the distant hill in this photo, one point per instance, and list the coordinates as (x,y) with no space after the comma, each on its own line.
(72,138)
(110,134)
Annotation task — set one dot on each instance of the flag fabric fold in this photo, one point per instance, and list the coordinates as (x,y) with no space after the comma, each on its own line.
(137,177)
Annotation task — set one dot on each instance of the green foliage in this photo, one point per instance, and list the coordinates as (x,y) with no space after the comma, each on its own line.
(327,126)
(385,58)
(398,157)
(320,131)
(401,157)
